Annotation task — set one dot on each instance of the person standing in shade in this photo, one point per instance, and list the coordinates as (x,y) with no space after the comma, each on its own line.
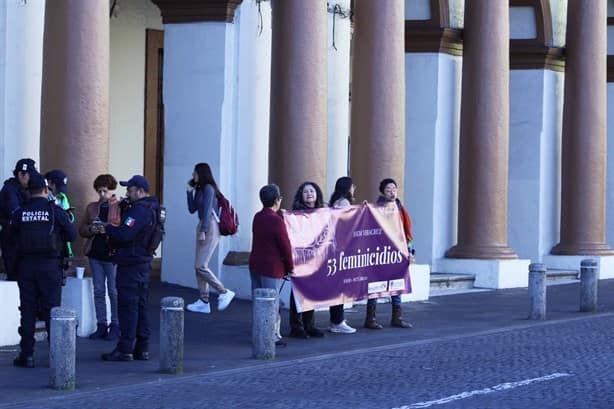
(270,260)
(343,196)
(97,250)
(40,230)
(389,197)
(130,243)
(202,198)
(302,324)
(12,196)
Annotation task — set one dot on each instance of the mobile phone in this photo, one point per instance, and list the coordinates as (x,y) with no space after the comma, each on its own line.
(192,183)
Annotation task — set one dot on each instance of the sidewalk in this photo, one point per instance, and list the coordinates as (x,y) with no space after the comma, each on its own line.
(221,340)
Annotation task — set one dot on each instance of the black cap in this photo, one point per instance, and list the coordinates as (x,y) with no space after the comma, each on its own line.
(137,181)
(25,165)
(36,181)
(58,178)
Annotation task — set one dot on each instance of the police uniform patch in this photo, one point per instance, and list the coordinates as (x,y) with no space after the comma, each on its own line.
(130,222)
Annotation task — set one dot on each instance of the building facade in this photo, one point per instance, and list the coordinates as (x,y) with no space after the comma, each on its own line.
(492,116)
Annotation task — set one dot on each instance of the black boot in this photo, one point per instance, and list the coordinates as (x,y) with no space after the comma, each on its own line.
(24,361)
(397,318)
(310,325)
(113,334)
(101,332)
(370,321)
(296,321)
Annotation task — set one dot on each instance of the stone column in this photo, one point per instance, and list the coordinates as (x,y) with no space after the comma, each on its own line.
(75,94)
(298,127)
(484,137)
(378,95)
(584,132)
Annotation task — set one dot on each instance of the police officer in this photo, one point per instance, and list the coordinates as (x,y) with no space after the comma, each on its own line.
(12,196)
(40,230)
(130,241)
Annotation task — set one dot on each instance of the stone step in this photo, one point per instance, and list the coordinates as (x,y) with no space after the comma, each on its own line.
(442,281)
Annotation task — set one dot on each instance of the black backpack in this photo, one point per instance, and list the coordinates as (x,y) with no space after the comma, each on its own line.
(157,230)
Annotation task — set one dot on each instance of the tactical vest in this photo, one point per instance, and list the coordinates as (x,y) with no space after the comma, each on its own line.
(38,234)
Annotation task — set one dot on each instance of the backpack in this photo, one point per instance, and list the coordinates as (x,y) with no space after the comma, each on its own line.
(228,217)
(157,231)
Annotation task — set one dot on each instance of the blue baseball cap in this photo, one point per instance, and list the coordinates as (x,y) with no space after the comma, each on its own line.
(137,181)
(25,165)
(36,181)
(58,178)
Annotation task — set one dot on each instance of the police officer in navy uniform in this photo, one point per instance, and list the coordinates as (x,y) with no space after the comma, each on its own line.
(130,241)
(40,230)
(12,196)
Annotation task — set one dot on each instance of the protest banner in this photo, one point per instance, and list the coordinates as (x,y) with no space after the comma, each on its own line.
(345,255)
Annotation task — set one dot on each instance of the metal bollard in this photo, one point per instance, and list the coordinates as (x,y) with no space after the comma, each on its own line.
(62,348)
(171,335)
(589,279)
(537,291)
(265,313)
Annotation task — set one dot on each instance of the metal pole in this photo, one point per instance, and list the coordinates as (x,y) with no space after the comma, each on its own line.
(589,278)
(62,348)
(265,313)
(171,335)
(537,291)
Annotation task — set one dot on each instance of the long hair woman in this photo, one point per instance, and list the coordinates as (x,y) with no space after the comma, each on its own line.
(302,325)
(343,196)
(202,199)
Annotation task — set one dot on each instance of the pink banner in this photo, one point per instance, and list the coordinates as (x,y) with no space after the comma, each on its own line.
(345,255)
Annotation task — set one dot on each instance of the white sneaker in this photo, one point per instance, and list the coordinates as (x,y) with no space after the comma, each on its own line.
(199,306)
(341,328)
(224,299)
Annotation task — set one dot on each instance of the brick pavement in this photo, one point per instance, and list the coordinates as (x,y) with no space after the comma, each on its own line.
(447,330)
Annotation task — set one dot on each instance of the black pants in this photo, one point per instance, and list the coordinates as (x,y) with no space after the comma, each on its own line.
(336,314)
(132,299)
(9,256)
(40,289)
(300,320)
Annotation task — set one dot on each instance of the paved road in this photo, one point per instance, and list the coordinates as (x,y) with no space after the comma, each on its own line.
(557,364)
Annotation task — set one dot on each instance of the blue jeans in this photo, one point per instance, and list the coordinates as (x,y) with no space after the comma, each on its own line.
(104,275)
(395,300)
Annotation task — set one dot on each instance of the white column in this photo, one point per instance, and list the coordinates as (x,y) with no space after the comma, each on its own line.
(431,151)
(536,110)
(339,34)
(200,126)
(253,95)
(21,31)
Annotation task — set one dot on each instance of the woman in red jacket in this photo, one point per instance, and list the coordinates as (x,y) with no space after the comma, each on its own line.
(271,257)
(389,194)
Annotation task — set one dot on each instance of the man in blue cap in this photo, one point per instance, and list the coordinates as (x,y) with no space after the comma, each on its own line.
(40,231)
(133,256)
(13,195)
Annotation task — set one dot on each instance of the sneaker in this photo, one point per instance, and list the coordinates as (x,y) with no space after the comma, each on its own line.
(199,306)
(224,299)
(341,328)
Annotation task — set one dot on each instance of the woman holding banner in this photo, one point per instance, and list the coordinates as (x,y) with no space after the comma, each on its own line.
(302,324)
(343,196)
(389,195)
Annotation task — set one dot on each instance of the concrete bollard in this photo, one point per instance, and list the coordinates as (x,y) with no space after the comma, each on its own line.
(264,314)
(537,291)
(62,348)
(171,335)
(589,279)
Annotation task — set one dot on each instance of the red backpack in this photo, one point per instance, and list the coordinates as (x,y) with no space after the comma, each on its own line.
(229,219)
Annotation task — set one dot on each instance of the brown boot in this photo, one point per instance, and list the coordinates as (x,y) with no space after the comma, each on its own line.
(397,319)
(370,321)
